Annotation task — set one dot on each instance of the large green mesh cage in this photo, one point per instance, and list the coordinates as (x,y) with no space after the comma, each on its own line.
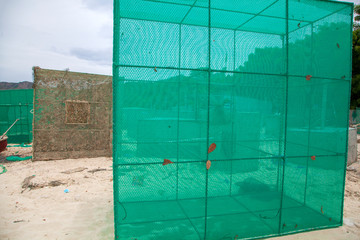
(230,117)
(17,104)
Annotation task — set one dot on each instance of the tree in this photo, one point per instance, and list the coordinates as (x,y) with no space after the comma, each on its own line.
(355,85)
(357,17)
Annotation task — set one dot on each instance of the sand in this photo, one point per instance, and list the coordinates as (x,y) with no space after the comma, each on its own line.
(44,211)
(85,212)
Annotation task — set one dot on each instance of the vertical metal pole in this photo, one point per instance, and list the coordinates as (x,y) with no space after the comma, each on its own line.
(310,107)
(178,118)
(208,118)
(281,130)
(286,112)
(347,120)
(234,57)
(233,110)
(116,107)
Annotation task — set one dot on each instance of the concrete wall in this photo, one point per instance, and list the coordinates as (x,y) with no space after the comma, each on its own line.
(352,146)
(72,115)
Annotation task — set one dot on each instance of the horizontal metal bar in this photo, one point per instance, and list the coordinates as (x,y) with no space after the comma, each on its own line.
(202,140)
(224,71)
(322,149)
(224,10)
(171,200)
(195,161)
(323,155)
(197,141)
(200,217)
(192,69)
(71,130)
(227,160)
(204,26)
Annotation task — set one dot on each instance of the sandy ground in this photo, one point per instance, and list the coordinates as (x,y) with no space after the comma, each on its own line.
(85,212)
(44,211)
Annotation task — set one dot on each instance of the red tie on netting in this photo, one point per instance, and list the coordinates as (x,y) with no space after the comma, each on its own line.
(166,162)
(211,148)
(208,163)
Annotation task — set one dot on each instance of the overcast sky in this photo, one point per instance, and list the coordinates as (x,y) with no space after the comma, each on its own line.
(55,34)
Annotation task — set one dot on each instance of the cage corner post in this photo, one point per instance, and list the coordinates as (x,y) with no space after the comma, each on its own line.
(349,99)
(116,116)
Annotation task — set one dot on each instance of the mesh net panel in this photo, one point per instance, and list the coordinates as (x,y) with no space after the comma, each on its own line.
(266,81)
(17,104)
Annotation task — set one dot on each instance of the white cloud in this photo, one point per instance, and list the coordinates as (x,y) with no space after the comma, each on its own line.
(54,34)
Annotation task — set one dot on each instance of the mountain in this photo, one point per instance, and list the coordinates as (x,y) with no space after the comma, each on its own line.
(11,85)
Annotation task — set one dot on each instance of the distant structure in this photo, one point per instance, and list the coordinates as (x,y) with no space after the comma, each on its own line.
(72,115)
(19,85)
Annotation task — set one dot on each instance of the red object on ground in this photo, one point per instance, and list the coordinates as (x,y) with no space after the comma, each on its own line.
(3,144)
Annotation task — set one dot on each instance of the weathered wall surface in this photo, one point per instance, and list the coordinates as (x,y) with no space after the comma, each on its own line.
(352,146)
(72,115)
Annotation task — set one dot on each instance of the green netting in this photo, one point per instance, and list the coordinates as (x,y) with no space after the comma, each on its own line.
(3,169)
(267,81)
(17,158)
(17,104)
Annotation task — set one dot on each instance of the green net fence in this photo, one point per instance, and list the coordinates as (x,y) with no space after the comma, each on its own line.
(230,117)
(17,104)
